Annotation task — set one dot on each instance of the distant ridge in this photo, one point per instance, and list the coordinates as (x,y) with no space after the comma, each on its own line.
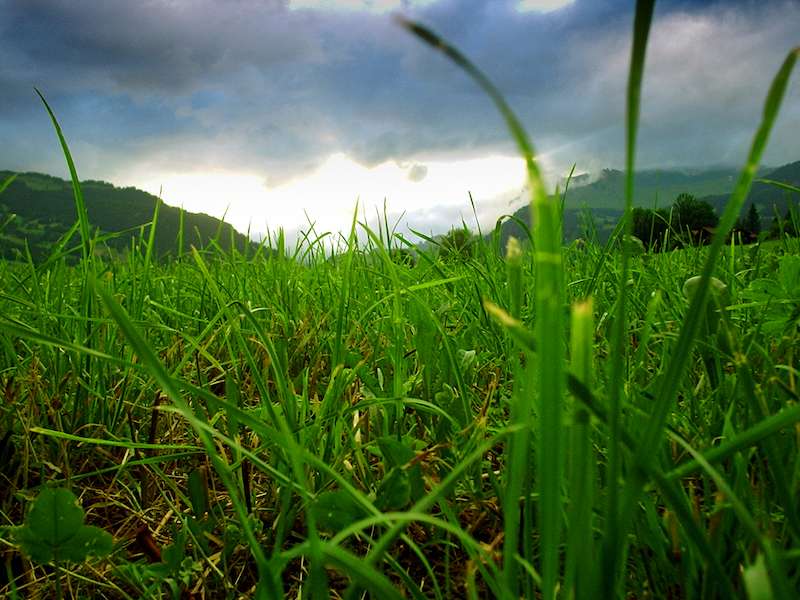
(766,197)
(603,198)
(653,186)
(45,210)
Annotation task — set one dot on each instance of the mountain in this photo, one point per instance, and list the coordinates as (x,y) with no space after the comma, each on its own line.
(44,210)
(768,198)
(603,199)
(652,187)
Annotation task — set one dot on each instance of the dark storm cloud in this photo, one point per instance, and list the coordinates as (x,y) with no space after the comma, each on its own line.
(170,47)
(253,86)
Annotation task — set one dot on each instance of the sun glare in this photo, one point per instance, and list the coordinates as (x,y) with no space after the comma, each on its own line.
(373,6)
(214,194)
(542,5)
(329,194)
(384,6)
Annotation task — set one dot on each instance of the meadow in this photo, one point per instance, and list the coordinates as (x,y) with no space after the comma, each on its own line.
(378,419)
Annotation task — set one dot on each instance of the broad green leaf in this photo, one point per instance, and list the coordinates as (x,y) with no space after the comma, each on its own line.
(54,530)
(198,492)
(399,454)
(336,509)
(55,516)
(88,540)
(394,491)
(395,453)
(173,555)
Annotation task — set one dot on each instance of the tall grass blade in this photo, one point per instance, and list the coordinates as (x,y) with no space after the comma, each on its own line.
(671,380)
(765,428)
(7,182)
(549,331)
(80,204)
(87,299)
(344,296)
(614,539)
(181,221)
(778,184)
(780,585)
(148,258)
(577,578)
(172,390)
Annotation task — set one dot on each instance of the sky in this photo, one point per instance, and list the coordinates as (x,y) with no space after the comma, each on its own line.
(284,113)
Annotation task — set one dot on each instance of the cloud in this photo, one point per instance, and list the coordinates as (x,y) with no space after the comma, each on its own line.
(373,6)
(417,173)
(542,5)
(706,78)
(155,48)
(272,89)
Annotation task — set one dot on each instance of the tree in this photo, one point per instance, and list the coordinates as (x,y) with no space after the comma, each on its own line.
(752,223)
(457,243)
(748,227)
(650,226)
(690,213)
(642,224)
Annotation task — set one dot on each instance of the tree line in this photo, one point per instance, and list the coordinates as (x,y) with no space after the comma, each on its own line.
(690,221)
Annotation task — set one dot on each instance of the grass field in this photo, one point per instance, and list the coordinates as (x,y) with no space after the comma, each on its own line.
(350,420)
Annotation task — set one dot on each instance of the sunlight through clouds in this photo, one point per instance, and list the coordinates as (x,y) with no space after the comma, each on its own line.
(542,5)
(373,6)
(278,105)
(382,6)
(329,194)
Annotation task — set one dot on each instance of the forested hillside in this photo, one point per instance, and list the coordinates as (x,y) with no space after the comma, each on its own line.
(597,206)
(767,197)
(658,186)
(43,210)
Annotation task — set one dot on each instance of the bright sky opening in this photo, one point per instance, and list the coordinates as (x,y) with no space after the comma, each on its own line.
(425,192)
(373,6)
(542,5)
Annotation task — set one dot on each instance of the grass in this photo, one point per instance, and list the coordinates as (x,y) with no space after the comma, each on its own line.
(336,420)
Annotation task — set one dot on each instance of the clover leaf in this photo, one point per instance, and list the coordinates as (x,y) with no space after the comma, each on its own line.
(54,530)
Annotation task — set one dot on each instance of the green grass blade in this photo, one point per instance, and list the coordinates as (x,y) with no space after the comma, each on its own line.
(144,289)
(677,500)
(614,539)
(780,585)
(354,566)
(780,184)
(26,332)
(577,579)
(181,227)
(113,443)
(765,428)
(80,205)
(87,300)
(7,182)
(651,439)
(549,332)
(344,295)
(514,125)
(670,382)
(172,390)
